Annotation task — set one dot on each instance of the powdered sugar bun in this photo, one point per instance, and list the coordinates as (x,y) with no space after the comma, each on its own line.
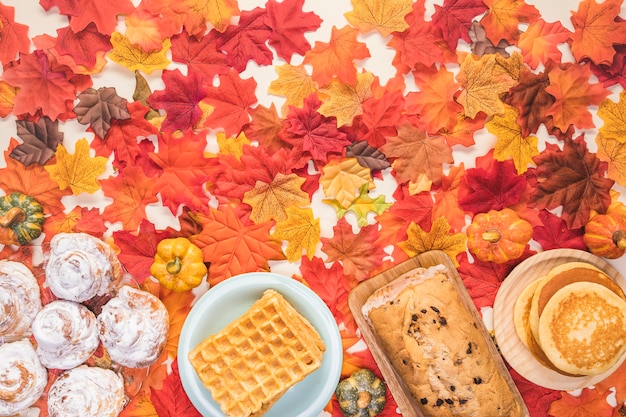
(20,299)
(86,392)
(67,334)
(22,377)
(133,327)
(81,267)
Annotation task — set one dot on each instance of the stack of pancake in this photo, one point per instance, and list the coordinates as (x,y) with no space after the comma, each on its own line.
(573,319)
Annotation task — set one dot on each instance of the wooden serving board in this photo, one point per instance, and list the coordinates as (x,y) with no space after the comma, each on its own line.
(511,346)
(359,295)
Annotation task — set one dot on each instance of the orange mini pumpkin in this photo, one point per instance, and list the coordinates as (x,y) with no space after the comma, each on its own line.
(605,235)
(498,236)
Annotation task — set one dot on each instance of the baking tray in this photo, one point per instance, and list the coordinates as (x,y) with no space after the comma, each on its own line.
(359,295)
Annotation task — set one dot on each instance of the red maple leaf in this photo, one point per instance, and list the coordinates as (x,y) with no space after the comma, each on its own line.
(246,40)
(122,138)
(41,88)
(454,18)
(91,222)
(101,12)
(312,135)
(233,248)
(66,7)
(131,191)
(185,170)
(615,73)
(179,99)
(289,24)
(554,233)
(332,286)
(422,43)
(416,208)
(231,100)
(483,189)
(200,54)
(137,249)
(536,398)
(358,253)
(13,36)
(573,178)
(380,116)
(82,46)
(336,58)
(172,400)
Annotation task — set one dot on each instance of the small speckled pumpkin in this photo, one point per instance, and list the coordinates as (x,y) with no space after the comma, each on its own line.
(21,219)
(362,394)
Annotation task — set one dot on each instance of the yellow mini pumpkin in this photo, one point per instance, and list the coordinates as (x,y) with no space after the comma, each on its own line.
(498,236)
(178,264)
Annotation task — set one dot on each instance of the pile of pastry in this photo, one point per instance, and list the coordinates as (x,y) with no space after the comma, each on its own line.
(573,320)
(132,326)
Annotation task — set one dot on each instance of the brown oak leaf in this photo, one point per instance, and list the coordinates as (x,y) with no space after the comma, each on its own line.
(98,108)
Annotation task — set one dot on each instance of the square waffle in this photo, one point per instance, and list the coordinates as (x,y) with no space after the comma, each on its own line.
(251,362)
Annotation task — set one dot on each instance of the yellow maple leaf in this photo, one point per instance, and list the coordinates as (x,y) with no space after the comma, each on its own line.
(79,171)
(135,58)
(423,183)
(7,97)
(511,144)
(614,116)
(294,83)
(439,238)
(385,16)
(270,201)
(231,145)
(216,12)
(343,178)
(614,152)
(361,206)
(485,79)
(301,230)
(345,101)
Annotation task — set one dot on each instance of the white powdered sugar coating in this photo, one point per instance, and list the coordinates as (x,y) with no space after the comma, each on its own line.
(86,392)
(81,267)
(22,377)
(20,299)
(134,327)
(67,334)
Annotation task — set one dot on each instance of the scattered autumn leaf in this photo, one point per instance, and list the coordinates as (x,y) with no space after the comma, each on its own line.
(135,58)
(269,201)
(301,230)
(345,101)
(614,118)
(98,108)
(539,43)
(78,171)
(503,16)
(384,16)
(614,152)
(362,205)
(40,141)
(289,23)
(590,403)
(294,83)
(342,180)
(437,238)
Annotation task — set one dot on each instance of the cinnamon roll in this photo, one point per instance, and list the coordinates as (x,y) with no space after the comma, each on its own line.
(22,377)
(134,327)
(67,334)
(86,392)
(81,267)
(20,299)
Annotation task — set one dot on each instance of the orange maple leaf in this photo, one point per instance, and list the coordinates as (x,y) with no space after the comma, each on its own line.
(596,30)
(570,86)
(590,403)
(434,102)
(232,247)
(447,199)
(7,96)
(503,17)
(131,191)
(539,43)
(337,56)
(198,12)
(32,180)
(416,153)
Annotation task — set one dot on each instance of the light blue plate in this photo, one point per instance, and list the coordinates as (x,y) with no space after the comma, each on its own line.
(231,298)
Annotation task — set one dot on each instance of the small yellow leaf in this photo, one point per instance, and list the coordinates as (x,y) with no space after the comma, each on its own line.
(294,83)
(301,230)
(270,201)
(232,146)
(7,96)
(439,238)
(135,58)
(423,183)
(79,171)
(614,152)
(614,116)
(485,79)
(343,178)
(346,101)
(385,16)
(511,144)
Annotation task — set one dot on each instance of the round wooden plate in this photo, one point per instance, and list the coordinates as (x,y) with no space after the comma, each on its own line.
(511,347)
